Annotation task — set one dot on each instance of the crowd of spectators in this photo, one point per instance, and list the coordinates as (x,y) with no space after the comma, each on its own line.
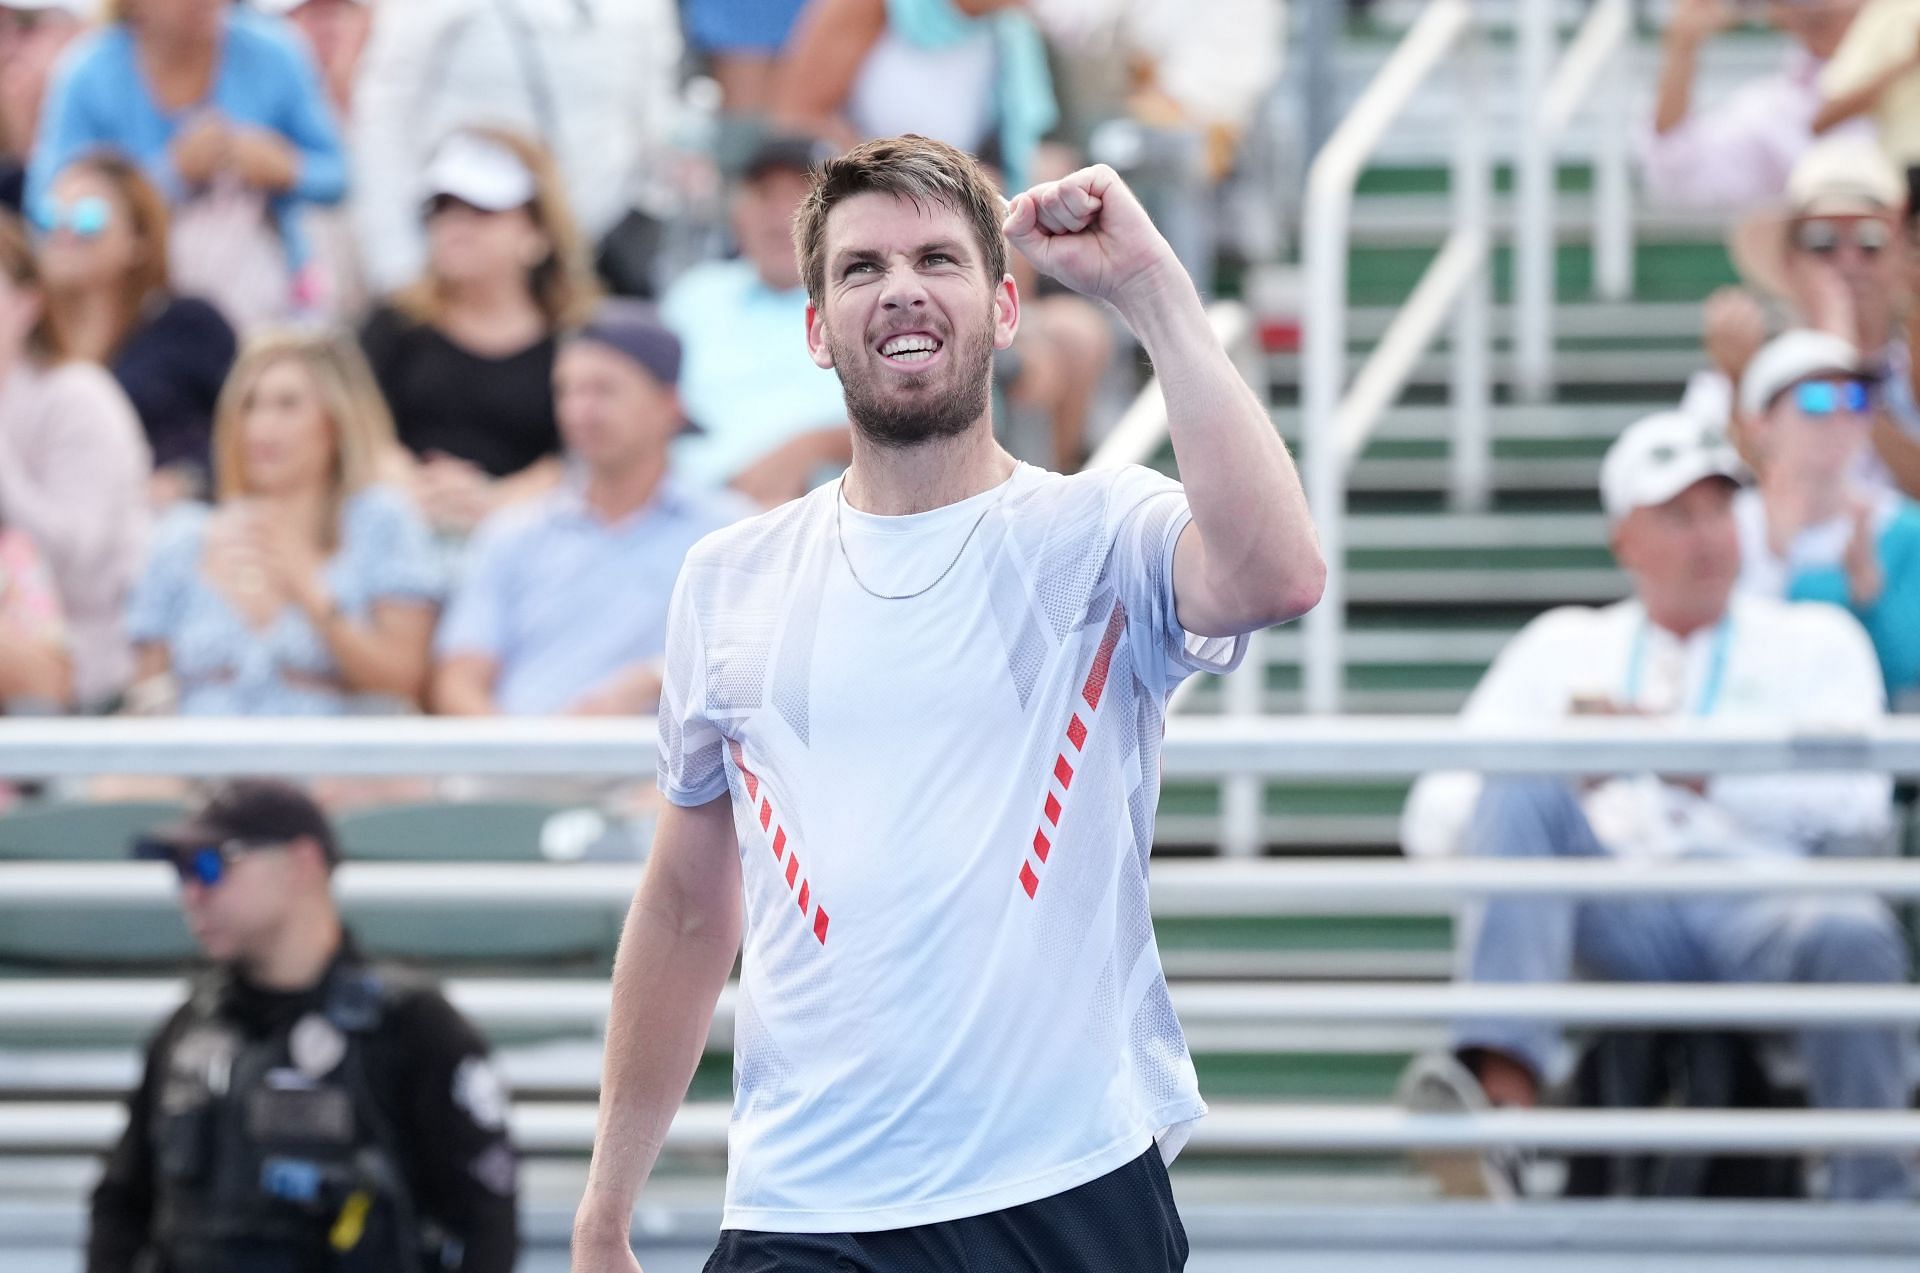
(388,355)
(1768,526)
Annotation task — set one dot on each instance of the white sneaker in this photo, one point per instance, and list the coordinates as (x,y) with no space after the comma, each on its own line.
(1438,1083)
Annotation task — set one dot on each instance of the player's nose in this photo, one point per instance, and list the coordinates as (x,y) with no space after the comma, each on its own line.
(903,289)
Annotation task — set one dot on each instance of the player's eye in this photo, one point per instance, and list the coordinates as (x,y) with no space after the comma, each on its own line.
(938,258)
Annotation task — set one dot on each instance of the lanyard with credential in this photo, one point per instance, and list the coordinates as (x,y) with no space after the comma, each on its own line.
(1716,667)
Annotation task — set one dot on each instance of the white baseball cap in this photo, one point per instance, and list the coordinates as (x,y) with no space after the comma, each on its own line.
(1786,360)
(480,172)
(1658,457)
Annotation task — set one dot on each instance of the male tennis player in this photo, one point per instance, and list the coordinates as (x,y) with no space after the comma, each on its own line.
(911,726)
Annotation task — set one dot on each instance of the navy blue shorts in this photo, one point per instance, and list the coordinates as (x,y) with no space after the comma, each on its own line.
(1124,1222)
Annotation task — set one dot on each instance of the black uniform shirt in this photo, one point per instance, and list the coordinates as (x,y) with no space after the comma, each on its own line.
(428,1071)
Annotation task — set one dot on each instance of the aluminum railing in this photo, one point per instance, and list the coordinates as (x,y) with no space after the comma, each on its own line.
(580,1007)
(1231,1128)
(1596,67)
(1195,747)
(1339,417)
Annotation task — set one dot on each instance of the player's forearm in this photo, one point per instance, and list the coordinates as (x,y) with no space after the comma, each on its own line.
(1262,556)
(672,964)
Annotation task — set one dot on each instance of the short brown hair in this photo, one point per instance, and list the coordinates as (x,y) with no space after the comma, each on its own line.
(910,167)
(563,284)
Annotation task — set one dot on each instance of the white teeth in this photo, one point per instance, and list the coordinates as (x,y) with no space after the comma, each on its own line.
(907,348)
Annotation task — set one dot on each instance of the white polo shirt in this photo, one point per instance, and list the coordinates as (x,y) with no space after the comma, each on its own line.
(951,1001)
(1797,664)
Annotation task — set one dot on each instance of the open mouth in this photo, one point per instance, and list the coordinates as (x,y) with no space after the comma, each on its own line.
(910,350)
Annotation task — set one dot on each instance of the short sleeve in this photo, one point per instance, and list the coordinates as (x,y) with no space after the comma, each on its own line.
(396,552)
(1148,511)
(158,604)
(691,767)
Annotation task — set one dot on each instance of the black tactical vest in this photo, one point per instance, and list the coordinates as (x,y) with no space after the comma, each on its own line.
(272,1156)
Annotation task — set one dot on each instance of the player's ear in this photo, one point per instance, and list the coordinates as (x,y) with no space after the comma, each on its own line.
(1006,312)
(817,338)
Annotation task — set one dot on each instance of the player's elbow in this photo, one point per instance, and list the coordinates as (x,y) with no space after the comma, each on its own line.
(1294,589)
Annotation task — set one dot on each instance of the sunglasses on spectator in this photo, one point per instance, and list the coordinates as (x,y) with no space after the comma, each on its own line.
(1831,397)
(85,218)
(1824,236)
(205,864)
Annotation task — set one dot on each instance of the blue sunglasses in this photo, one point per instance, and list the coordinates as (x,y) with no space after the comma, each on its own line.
(85,218)
(1830,397)
(204,864)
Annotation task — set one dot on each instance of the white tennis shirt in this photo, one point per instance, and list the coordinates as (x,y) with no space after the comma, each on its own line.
(951,1001)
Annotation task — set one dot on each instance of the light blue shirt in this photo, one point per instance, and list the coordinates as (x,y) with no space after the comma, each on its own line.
(100,99)
(745,374)
(226,667)
(564,602)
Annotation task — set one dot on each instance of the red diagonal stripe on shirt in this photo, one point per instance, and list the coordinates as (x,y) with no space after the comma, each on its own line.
(1102,661)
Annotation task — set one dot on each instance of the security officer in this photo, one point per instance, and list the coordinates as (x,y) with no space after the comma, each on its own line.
(303,1112)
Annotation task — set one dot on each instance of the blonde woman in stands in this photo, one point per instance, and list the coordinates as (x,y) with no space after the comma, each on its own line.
(73,474)
(309,587)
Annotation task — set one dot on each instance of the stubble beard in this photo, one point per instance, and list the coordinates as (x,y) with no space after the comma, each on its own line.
(901,421)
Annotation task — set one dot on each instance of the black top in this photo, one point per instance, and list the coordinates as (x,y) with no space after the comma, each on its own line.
(496,413)
(172,365)
(461,1177)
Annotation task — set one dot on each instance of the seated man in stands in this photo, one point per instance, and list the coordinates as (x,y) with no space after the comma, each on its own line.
(563,608)
(771,422)
(1684,645)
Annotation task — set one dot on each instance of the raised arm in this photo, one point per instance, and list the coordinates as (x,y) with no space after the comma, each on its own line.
(1251,557)
(681,935)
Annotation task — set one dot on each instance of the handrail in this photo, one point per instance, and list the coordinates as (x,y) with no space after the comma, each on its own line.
(1337,420)
(1142,429)
(1181,889)
(1594,68)
(581,1006)
(1195,747)
(1232,1127)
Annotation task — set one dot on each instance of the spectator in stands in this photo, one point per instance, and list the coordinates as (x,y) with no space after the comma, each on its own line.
(465,355)
(1738,153)
(73,474)
(309,588)
(971,73)
(303,1109)
(563,608)
(1684,645)
(595,81)
(771,421)
(226,114)
(36,669)
(1836,254)
(33,34)
(1812,530)
(742,40)
(103,255)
